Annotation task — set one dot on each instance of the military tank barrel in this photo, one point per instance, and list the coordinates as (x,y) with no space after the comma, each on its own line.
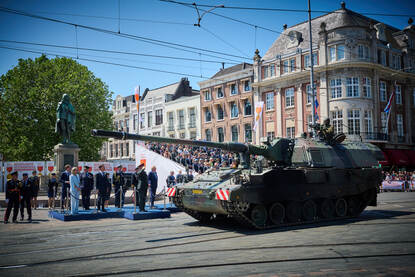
(229,146)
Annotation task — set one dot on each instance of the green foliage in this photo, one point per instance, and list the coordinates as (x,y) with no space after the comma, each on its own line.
(29,95)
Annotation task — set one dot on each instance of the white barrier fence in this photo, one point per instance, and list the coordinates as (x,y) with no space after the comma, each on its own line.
(397,185)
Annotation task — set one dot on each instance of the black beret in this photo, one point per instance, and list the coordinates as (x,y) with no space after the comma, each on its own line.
(13,173)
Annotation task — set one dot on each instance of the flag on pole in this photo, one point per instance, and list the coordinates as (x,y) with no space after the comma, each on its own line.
(388,108)
(137,96)
(316,106)
(259,106)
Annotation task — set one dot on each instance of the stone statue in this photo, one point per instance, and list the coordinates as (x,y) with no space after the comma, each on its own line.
(65,119)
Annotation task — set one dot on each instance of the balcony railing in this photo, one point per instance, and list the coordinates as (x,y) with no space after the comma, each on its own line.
(180,126)
(374,136)
(170,128)
(192,124)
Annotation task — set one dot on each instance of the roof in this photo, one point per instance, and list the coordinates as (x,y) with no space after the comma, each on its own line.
(333,20)
(232,69)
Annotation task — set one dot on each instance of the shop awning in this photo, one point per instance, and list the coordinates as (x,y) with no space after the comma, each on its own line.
(411,156)
(386,161)
(397,157)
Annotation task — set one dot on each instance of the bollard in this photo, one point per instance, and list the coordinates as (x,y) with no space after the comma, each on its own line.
(135,199)
(164,198)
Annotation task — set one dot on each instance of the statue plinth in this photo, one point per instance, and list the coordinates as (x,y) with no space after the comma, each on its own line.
(65,154)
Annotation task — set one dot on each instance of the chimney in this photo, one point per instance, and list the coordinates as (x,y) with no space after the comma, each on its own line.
(284,27)
(343,5)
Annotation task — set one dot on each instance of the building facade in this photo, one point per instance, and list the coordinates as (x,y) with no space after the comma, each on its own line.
(358,63)
(227,105)
(183,117)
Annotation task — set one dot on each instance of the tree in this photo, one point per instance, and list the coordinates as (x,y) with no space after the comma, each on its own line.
(29,94)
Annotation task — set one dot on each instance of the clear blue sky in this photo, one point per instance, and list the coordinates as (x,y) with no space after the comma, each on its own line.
(234,38)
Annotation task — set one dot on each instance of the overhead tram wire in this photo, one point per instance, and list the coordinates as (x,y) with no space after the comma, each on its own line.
(283,10)
(109,63)
(130,36)
(113,51)
(221,39)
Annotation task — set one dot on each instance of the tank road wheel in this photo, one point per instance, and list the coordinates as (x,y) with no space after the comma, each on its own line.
(259,215)
(341,207)
(242,206)
(309,210)
(294,211)
(327,208)
(202,217)
(277,213)
(353,206)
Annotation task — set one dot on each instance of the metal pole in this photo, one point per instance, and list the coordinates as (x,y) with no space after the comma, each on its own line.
(311,65)
(120,192)
(164,198)
(96,207)
(135,199)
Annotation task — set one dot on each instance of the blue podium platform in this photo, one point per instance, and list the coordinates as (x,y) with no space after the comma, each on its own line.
(126,212)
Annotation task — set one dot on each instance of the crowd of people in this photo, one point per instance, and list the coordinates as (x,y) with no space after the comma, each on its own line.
(406,177)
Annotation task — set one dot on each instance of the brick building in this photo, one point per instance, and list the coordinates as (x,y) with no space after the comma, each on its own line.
(357,62)
(227,105)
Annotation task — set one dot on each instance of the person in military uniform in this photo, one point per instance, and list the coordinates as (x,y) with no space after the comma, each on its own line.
(102,185)
(13,187)
(34,179)
(26,193)
(64,180)
(87,184)
(142,186)
(118,184)
(52,190)
(153,182)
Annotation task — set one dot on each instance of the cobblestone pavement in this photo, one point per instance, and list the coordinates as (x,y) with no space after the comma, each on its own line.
(381,242)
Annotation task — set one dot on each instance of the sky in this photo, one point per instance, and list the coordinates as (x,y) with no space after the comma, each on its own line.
(160,21)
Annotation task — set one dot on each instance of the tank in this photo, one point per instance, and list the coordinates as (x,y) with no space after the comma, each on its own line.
(282,182)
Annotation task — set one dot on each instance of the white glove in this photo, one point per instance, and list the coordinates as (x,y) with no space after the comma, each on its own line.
(21,197)
(7,201)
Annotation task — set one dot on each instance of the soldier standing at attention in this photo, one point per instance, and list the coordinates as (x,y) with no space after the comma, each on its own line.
(26,194)
(52,190)
(35,188)
(64,180)
(118,180)
(87,184)
(13,187)
(102,186)
(153,181)
(142,187)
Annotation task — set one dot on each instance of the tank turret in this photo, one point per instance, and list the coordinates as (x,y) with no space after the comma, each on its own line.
(278,152)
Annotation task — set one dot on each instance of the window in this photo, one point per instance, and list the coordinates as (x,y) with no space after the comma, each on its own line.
(142,120)
(292,65)
(159,117)
(272,70)
(269,101)
(289,97)
(181,119)
(116,150)
(234,130)
(234,110)
(219,93)
(382,91)
(309,123)
(307,62)
(368,122)
(192,115)
(363,52)
(332,51)
(367,91)
(182,135)
(247,85)
(398,94)
(221,135)
(290,132)
(352,87)
(285,66)
(248,132)
(310,94)
(149,119)
(270,135)
(127,149)
(396,62)
(337,121)
(111,150)
(234,89)
(208,95)
(135,121)
(336,88)
(122,149)
(127,125)
(382,57)
(208,134)
(220,112)
(384,120)
(171,121)
(353,122)
(116,125)
(247,108)
(208,116)
(265,71)
(399,124)
(336,52)
(121,124)
(193,135)
(340,52)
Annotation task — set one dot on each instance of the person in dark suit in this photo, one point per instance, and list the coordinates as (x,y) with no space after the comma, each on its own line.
(64,180)
(119,180)
(102,185)
(52,190)
(26,194)
(142,186)
(13,187)
(87,184)
(34,179)
(152,181)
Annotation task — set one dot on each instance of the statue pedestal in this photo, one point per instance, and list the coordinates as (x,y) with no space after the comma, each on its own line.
(65,154)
